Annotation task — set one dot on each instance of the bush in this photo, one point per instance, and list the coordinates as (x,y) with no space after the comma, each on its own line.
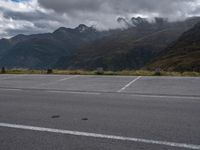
(49,71)
(157,72)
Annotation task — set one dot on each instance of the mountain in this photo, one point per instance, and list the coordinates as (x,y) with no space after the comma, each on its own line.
(131,48)
(133,22)
(182,55)
(85,47)
(124,22)
(43,50)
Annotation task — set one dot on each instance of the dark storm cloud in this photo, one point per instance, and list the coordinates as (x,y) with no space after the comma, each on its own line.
(103,13)
(161,7)
(34,16)
(72,5)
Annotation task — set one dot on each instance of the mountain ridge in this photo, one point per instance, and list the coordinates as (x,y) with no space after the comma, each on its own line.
(42,50)
(182,55)
(85,47)
(132,48)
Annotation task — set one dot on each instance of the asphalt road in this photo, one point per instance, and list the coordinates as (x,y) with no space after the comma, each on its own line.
(98,112)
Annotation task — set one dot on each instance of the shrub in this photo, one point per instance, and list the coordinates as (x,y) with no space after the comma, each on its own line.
(49,71)
(157,72)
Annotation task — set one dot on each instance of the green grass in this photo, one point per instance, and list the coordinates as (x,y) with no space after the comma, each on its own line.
(109,73)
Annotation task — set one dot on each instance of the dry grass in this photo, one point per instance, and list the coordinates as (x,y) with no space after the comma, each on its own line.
(109,73)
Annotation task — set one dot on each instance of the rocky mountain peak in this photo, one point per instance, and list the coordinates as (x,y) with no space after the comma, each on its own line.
(139,21)
(124,22)
(133,22)
(83,28)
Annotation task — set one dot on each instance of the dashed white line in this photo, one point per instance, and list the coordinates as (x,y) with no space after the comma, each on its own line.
(68,78)
(129,84)
(102,136)
(12,77)
(70,92)
(11,89)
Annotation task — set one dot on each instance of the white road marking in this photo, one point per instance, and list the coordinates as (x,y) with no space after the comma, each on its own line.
(129,84)
(12,77)
(70,92)
(68,78)
(103,136)
(11,89)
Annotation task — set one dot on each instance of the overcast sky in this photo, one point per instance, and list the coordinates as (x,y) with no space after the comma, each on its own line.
(38,16)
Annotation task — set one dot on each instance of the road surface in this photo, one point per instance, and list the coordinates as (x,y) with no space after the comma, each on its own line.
(56,112)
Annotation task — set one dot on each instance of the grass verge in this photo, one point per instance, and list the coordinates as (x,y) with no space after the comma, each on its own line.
(109,73)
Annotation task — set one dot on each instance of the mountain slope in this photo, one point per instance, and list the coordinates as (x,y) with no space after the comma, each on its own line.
(86,48)
(132,48)
(41,51)
(182,55)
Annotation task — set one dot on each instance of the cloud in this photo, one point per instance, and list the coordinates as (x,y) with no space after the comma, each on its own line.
(160,7)
(27,17)
(38,16)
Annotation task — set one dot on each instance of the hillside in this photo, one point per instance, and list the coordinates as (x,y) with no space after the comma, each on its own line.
(41,51)
(87,48)
(129,49)
(182,55)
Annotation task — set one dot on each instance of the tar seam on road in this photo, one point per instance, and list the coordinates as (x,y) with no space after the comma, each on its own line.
(54,82)
(165,96)
(102,136)
(129,84)
(99,93)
